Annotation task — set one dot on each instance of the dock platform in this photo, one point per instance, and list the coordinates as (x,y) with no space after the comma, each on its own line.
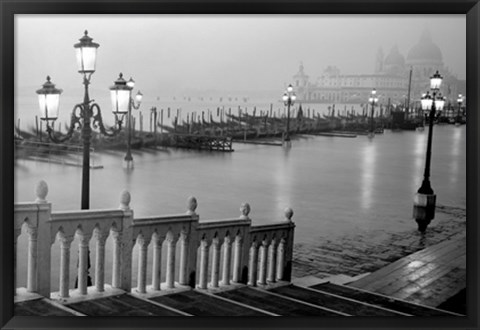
(428,277)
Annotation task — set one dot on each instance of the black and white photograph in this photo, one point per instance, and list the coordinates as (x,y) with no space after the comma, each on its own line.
(240,165)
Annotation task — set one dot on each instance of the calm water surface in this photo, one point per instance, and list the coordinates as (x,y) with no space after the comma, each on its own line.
(334,185)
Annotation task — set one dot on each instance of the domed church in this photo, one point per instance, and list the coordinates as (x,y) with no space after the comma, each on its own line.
(391,78)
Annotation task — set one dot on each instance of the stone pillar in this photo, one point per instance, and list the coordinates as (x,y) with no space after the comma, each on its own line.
(272,262)
(100,261)
(183,277)
(280,259)
(253,265)
(170,275)
(203,264)
(44,241)
(142,264)
(65,266)
(262,272)
(18,232)
(287,273)
(227,261)
(157,263)
(215,263)
(237,260)
(83,264)
(126,243)
(116,271)
(32,259)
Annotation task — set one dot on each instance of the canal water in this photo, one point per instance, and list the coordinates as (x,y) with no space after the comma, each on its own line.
(334,185)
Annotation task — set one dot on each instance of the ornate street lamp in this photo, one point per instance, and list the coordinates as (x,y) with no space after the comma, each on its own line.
(83,114)
(289,98)
(153,114)
(424,200)
(373,99)
(459,101)
(122,90)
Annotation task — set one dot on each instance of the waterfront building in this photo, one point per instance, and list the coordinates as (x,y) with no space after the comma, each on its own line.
(391,78)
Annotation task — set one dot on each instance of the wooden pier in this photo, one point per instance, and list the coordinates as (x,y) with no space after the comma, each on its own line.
(203,142)
(429,276)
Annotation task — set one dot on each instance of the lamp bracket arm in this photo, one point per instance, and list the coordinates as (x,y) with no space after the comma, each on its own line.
(98,122)
(74,122)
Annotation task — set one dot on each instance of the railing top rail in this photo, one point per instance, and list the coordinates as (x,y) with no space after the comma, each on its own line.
(272,226)
(223,223)
(83,215)
(155,220)
(30,206)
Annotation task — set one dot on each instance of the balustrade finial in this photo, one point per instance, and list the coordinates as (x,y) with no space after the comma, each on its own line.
(191,205)
(245,210)
(288,214)
(125,200)
(41,191)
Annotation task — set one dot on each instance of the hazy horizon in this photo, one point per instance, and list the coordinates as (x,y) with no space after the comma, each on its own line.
(174,55)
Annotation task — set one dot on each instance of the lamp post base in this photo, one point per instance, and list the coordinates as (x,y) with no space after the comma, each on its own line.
(287,143)
(371,135)
(128,164)
(422,225)
(424,210)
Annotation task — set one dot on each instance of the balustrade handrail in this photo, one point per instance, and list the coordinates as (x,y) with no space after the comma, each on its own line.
(252,254)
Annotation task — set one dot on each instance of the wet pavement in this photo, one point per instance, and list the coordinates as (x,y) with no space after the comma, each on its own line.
(363,252)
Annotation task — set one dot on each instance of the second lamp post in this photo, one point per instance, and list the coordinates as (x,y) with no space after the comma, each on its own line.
(289,98)
(125,88)
(425,199)
(373,99)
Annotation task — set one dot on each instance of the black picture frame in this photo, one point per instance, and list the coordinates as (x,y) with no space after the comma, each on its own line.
(9,8)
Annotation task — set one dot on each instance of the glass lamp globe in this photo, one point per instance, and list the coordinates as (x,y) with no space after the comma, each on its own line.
(48,101)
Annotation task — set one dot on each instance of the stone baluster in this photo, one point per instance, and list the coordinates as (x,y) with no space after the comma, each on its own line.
(65,265)
(83,263)
(170,275)
(100,238)
(203,264)
(116,267)
(262,272)
(32,259)
(182,277)
(280,259)
(272,261)
(157,262)
(215,262)
(253,265)
(142,263)
(227,261)
(237,259)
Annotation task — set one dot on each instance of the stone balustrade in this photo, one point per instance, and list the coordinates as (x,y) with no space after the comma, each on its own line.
(239,252)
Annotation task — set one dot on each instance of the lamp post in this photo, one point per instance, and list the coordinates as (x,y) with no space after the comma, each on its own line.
(135,104)
(154,115)
(83,114)
(289,98)
(459,101)
(372,99)
(424,200)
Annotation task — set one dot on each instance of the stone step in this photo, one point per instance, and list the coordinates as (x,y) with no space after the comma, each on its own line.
(42,307)
(336,302)
(273,303)
(122,305)
(202,304)
(380,300)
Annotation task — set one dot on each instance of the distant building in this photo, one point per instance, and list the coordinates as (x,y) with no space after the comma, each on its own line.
(390,78)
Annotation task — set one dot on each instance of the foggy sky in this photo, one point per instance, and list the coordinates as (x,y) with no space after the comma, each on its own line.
(168,54)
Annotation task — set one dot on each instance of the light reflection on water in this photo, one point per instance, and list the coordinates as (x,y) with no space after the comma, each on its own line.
(334,185)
